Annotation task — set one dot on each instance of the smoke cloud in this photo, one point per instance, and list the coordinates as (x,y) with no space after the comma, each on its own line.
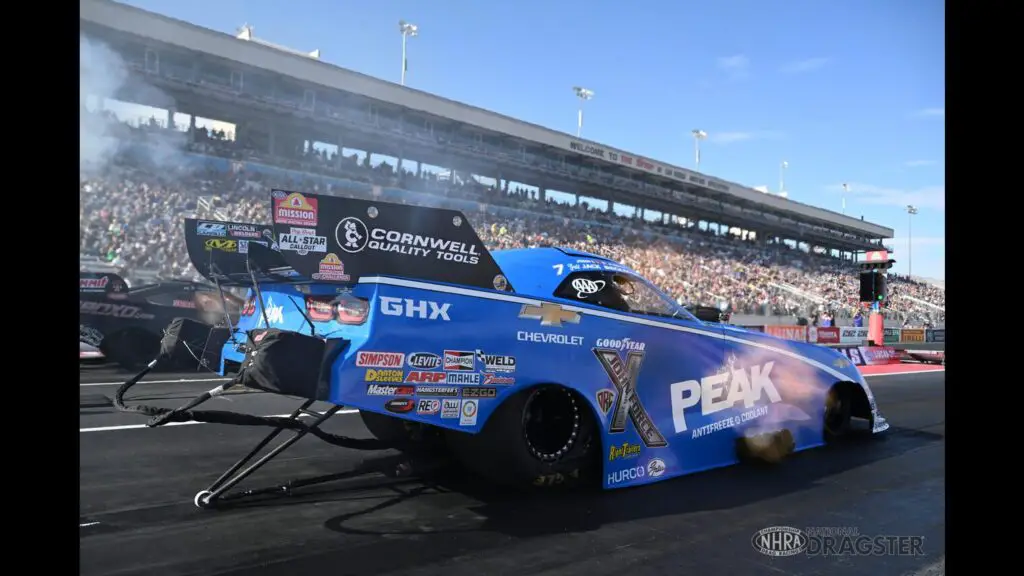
(103,74)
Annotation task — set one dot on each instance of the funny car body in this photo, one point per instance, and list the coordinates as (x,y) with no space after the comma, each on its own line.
(535,367)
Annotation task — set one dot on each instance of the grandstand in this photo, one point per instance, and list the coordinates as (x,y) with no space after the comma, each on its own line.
(702,239)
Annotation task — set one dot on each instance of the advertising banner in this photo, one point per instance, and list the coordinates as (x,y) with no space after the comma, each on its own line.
(853,354)
(892,335)
(879,355)
(798,333)
(936,335)
(827,335)
(852,335)
(909,335)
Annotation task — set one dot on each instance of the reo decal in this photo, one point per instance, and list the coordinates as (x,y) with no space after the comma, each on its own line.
(459,360)
(722,391)
(625,450)
(383,375)
(353,236)
(427,407)
(379,390)
(623,375)
(422,309)
(605,398)
(379,359)
(295,209)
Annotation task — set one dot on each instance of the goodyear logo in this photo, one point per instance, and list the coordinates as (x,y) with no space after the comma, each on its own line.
(222,244)
(385,375)
(625,450)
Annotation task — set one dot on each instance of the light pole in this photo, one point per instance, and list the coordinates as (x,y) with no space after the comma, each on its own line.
(911,210)
(583,94)
(782,177)
(408,31)
(698,135)
(846,190)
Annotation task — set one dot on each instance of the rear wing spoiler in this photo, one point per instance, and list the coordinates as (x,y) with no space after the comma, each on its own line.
(236,253)
(330,239)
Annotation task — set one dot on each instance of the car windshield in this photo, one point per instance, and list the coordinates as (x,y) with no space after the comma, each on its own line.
(621,292)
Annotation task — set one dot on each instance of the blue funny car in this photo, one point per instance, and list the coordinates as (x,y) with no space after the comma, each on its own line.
(532,367)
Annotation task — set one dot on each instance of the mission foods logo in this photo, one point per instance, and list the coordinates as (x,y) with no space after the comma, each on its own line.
(294,208)
(331,268)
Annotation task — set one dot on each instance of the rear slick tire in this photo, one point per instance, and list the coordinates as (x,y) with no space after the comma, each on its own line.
(541,438)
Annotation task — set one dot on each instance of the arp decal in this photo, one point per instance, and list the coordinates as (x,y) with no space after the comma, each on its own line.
(423,377)
(623,376)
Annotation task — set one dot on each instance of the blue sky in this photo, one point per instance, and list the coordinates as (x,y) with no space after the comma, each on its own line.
(843,90)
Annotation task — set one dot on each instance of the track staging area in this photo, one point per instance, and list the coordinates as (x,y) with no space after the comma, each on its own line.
(137,516)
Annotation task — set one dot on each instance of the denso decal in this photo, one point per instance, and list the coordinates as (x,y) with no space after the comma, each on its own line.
(384,390)
(621,344)
(462,378)
(624,450)
(620,476)
(437,391)
(353,236)
(427,407)
(114,310)
(422,309)
(379,359)
(295,209)
(424,377)
(491,379)
(400,405)
(496,363)
(384,375)
(722,391)
(459,360)
(424,360)
(623,375)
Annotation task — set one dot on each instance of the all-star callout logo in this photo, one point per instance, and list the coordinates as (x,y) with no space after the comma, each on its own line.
(294,208)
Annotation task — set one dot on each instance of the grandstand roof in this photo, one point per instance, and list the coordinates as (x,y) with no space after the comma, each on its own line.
(190,37)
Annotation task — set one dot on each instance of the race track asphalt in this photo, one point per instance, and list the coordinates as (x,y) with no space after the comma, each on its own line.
(137,516)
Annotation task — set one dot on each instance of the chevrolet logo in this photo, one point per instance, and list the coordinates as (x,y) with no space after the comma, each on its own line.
(548,314)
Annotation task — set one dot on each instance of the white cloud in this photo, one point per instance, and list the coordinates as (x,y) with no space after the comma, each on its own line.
(932,112)
(738,136)
(927,197)
(803,66)
(918,163)
(736,66)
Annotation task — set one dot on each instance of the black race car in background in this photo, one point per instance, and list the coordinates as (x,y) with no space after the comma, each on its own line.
(125,323)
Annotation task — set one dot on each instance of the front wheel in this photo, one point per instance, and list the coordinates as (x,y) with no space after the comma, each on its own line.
(543,437)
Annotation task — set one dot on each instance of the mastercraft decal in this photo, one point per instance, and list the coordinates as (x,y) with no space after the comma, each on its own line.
(385,390)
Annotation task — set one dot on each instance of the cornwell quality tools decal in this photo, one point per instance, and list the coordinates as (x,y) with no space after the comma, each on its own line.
(623,376)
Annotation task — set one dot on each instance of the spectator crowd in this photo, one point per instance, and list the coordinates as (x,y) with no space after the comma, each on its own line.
(132,211)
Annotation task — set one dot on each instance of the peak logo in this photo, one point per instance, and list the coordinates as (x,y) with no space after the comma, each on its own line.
(716,393)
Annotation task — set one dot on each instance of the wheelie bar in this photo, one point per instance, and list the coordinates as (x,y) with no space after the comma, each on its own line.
(217,491)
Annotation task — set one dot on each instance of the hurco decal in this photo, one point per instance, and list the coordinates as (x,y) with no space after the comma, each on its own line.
(728,388)
(624,450)
(624,375)
(375,375)
(294,209)
(331,268)
(380,359)
(423,377)
(353,236)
